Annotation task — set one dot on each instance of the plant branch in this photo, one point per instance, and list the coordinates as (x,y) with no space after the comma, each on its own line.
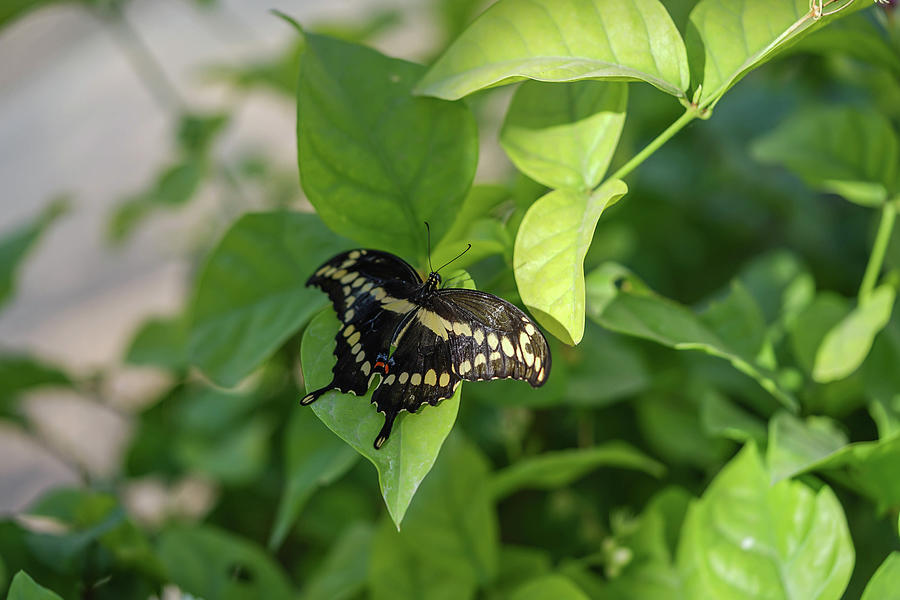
(689,115)
(882,239)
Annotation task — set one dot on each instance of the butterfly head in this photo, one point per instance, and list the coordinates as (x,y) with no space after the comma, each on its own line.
(433,282)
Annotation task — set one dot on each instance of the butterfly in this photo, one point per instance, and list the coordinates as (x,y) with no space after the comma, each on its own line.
(421,340)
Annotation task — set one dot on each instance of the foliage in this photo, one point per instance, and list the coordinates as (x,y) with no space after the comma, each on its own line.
(712,255)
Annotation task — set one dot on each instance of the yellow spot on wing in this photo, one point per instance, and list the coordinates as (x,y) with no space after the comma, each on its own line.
(416,379)
(353,339)
(397,305)
(432,321)
(507,346)
(479,336)
(444,380)
(492,341)
(461,328)
(430,377)
(480,359)
(403,377)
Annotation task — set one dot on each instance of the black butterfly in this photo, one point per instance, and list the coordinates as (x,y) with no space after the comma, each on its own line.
(421,340)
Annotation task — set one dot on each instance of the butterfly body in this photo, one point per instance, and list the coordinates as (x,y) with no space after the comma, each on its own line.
(421,340)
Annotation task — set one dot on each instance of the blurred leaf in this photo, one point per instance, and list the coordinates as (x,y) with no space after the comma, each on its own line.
(728,38)
(881,379)
(619,301)
(4,578)
(15,244)
(737,320)
(409,453)
(746,538)
(278,73)
(562,40)
(549,586)
(161,343)
(606,370)
(211,563)
(196,132)
(174,186)
(813,323)
(250,295)
(475,224)
(885,583)
(10,10)
(780,283)
(564,135)
(375,161)
(516,565)
(670,422)
(856,36)
(453,514)
(847,344)
(552,470)
(344,572)
(314,457)
(235,456)
(840,150)
(721,417)
(400,571)
(19,373)
(794,445)
(549,256)
(24,587)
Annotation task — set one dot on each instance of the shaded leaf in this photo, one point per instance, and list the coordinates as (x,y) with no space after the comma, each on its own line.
(251,296)
(564,135)
(840,150)
(518,564)
(813,323)
(551,244)
(375,161)
(745,538)
(721,417)
(345,570)
(552,470)
(314,457)
(161,342)
(562,40)
(549,586)
(415,441)
(737,320)
(15,244)
(24,587)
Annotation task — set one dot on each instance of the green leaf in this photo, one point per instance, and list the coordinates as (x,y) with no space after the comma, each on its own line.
(840,150)
(562,40)
(476,224)
(728,38)
(196,132)
(24,587)
(721,417)
(235,456)
(251,296)
(794,445)
(813,323)
(552,470)
(551,244)
(881,380)
(847,344)
(15,245)
(409,453)
(780,283)
(19,373)
(737,321)
(885,583)
(619,301)
(549,586)
(857,36)
(400,571)
(564,135)
(747,539)
(375,161)
(345,570)
(518,564)
(211,563)
(314,457)
(161,342)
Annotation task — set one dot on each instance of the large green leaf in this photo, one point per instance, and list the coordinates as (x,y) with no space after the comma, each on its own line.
(728,38)
(345,570)
(211,563)
(375,161)
(847,344)
(14,245)
(619,301)
(553,470)
(747,539)
(885,583)
(564,135)
(840,150)
(415,441)
(562,40)
(552,242)
(549,586)
(251,295)
(24,587)
(313,457)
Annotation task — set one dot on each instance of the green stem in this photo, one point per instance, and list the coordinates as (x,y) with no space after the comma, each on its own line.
(689,115)
(882,238)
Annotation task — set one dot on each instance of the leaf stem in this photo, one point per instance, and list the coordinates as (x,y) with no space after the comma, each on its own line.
(882,238)
(689,115)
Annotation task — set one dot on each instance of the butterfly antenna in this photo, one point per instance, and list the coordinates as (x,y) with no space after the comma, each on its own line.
(428,234)
(468,247)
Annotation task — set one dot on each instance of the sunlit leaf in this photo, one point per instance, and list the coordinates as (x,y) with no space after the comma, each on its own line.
(562,40)
(375,161)
(746,538)
(885,583)
(564,135)
(794,445)
(409,453)
(251,295)
(549,256)
(549,586)
(24,587)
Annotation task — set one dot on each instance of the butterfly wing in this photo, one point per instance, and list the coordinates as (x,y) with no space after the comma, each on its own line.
(491,338)
(361,284)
